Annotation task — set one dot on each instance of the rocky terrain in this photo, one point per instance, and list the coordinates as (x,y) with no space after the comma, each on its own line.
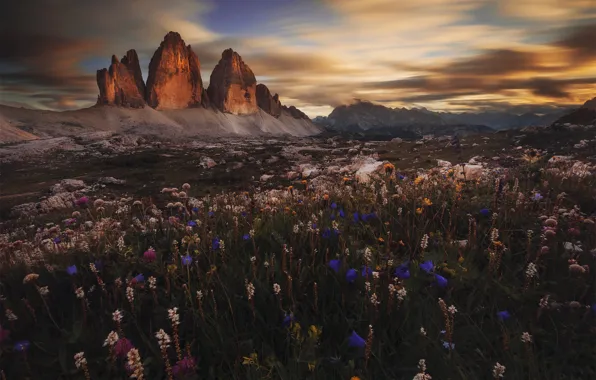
(584,115)
(117,164)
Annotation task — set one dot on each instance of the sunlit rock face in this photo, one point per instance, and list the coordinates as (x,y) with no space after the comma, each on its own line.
(122,84)
(233,86)
(174,79)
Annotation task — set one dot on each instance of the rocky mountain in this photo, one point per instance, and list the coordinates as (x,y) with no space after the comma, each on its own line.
(174,79)
(366,116)
(122,84)
(363,115)
(232,85)
(173,103)
(584,115)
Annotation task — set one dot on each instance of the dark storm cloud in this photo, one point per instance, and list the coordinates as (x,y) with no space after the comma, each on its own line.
(494,62)
(581,41)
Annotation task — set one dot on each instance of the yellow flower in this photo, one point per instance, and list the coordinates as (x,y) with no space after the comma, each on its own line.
(172,268)
(354,378)
(250,360)
(427,202)
(303,182)
(311,366)
(458,187)
(30,277)
(460,260)
(419,210)
(418,180)
(381,240)
(314,332)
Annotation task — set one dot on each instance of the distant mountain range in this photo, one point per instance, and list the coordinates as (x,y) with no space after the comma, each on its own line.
(365,116)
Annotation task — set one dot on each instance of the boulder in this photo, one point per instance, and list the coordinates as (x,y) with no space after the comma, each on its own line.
(233,86)
(469,172)
(122,84)
(174,79)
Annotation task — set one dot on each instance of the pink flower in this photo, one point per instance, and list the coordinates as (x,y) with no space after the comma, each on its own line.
(82,201)
(122,347)
(184,366)
(149,255)
(3,334)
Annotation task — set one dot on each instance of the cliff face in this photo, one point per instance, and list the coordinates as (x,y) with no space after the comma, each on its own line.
(232,85)
(174,79)
(122,84)
(267,102)
(174,82)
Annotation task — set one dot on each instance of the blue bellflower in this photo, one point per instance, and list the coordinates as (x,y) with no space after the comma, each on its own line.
(186,260)
(403,271)
(427,266)
(335,265)
(356,341)
(351,275)
(71,270)
(503,315)
(441,281)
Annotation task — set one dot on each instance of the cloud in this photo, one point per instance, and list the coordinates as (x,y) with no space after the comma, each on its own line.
(581,41)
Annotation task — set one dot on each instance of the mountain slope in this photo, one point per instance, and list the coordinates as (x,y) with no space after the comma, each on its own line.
(585,115)
(148,121)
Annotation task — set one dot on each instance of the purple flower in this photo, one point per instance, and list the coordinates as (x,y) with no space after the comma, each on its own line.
(448,345)
(243,214)
(356,341)
(334,205)
(82,201)
(537,197)
(335,265)
(427,266)
(400,176)
(71,270)
(332,216)
(485,212)
(21,346)
(215,243)
(122,347)
(186,260)
(503,315)
(326,233)
(594,308)
(288,319)
(4,334)
(211,213)
(192,223)
(355,216)
(150,255)
(184,366)
(57,240)
(139,278)
(365,270)
(246,237)
(195,209)
(403,271)
(441,281)
(342,214)
(351,275)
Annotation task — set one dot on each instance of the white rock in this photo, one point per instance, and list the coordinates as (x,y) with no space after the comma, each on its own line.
(443,164)
(469,172)
(569,246)
(396,140)
(266,177)
(207,162)
(363,174)
(67,185)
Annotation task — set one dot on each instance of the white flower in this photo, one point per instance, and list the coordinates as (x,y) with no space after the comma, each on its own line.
(80,360)
(112,339)
(498,370)
(422,331)
(401,294)
(250,290)
(163,339)
(276,288)
(130,294)
(152,282)
(199,295)
(44,290)
(117,316)
(526,337)
(452,310)
(424,242)
(173,316)
(531,270)
(80,293)
(374,299)
(266,264)
(367,255)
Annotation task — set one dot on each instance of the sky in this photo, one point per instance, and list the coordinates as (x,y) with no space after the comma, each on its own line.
(445,55)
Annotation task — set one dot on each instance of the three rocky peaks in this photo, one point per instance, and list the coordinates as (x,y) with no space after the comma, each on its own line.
(174,82)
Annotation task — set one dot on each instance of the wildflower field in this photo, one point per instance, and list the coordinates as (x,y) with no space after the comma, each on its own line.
(408,276)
